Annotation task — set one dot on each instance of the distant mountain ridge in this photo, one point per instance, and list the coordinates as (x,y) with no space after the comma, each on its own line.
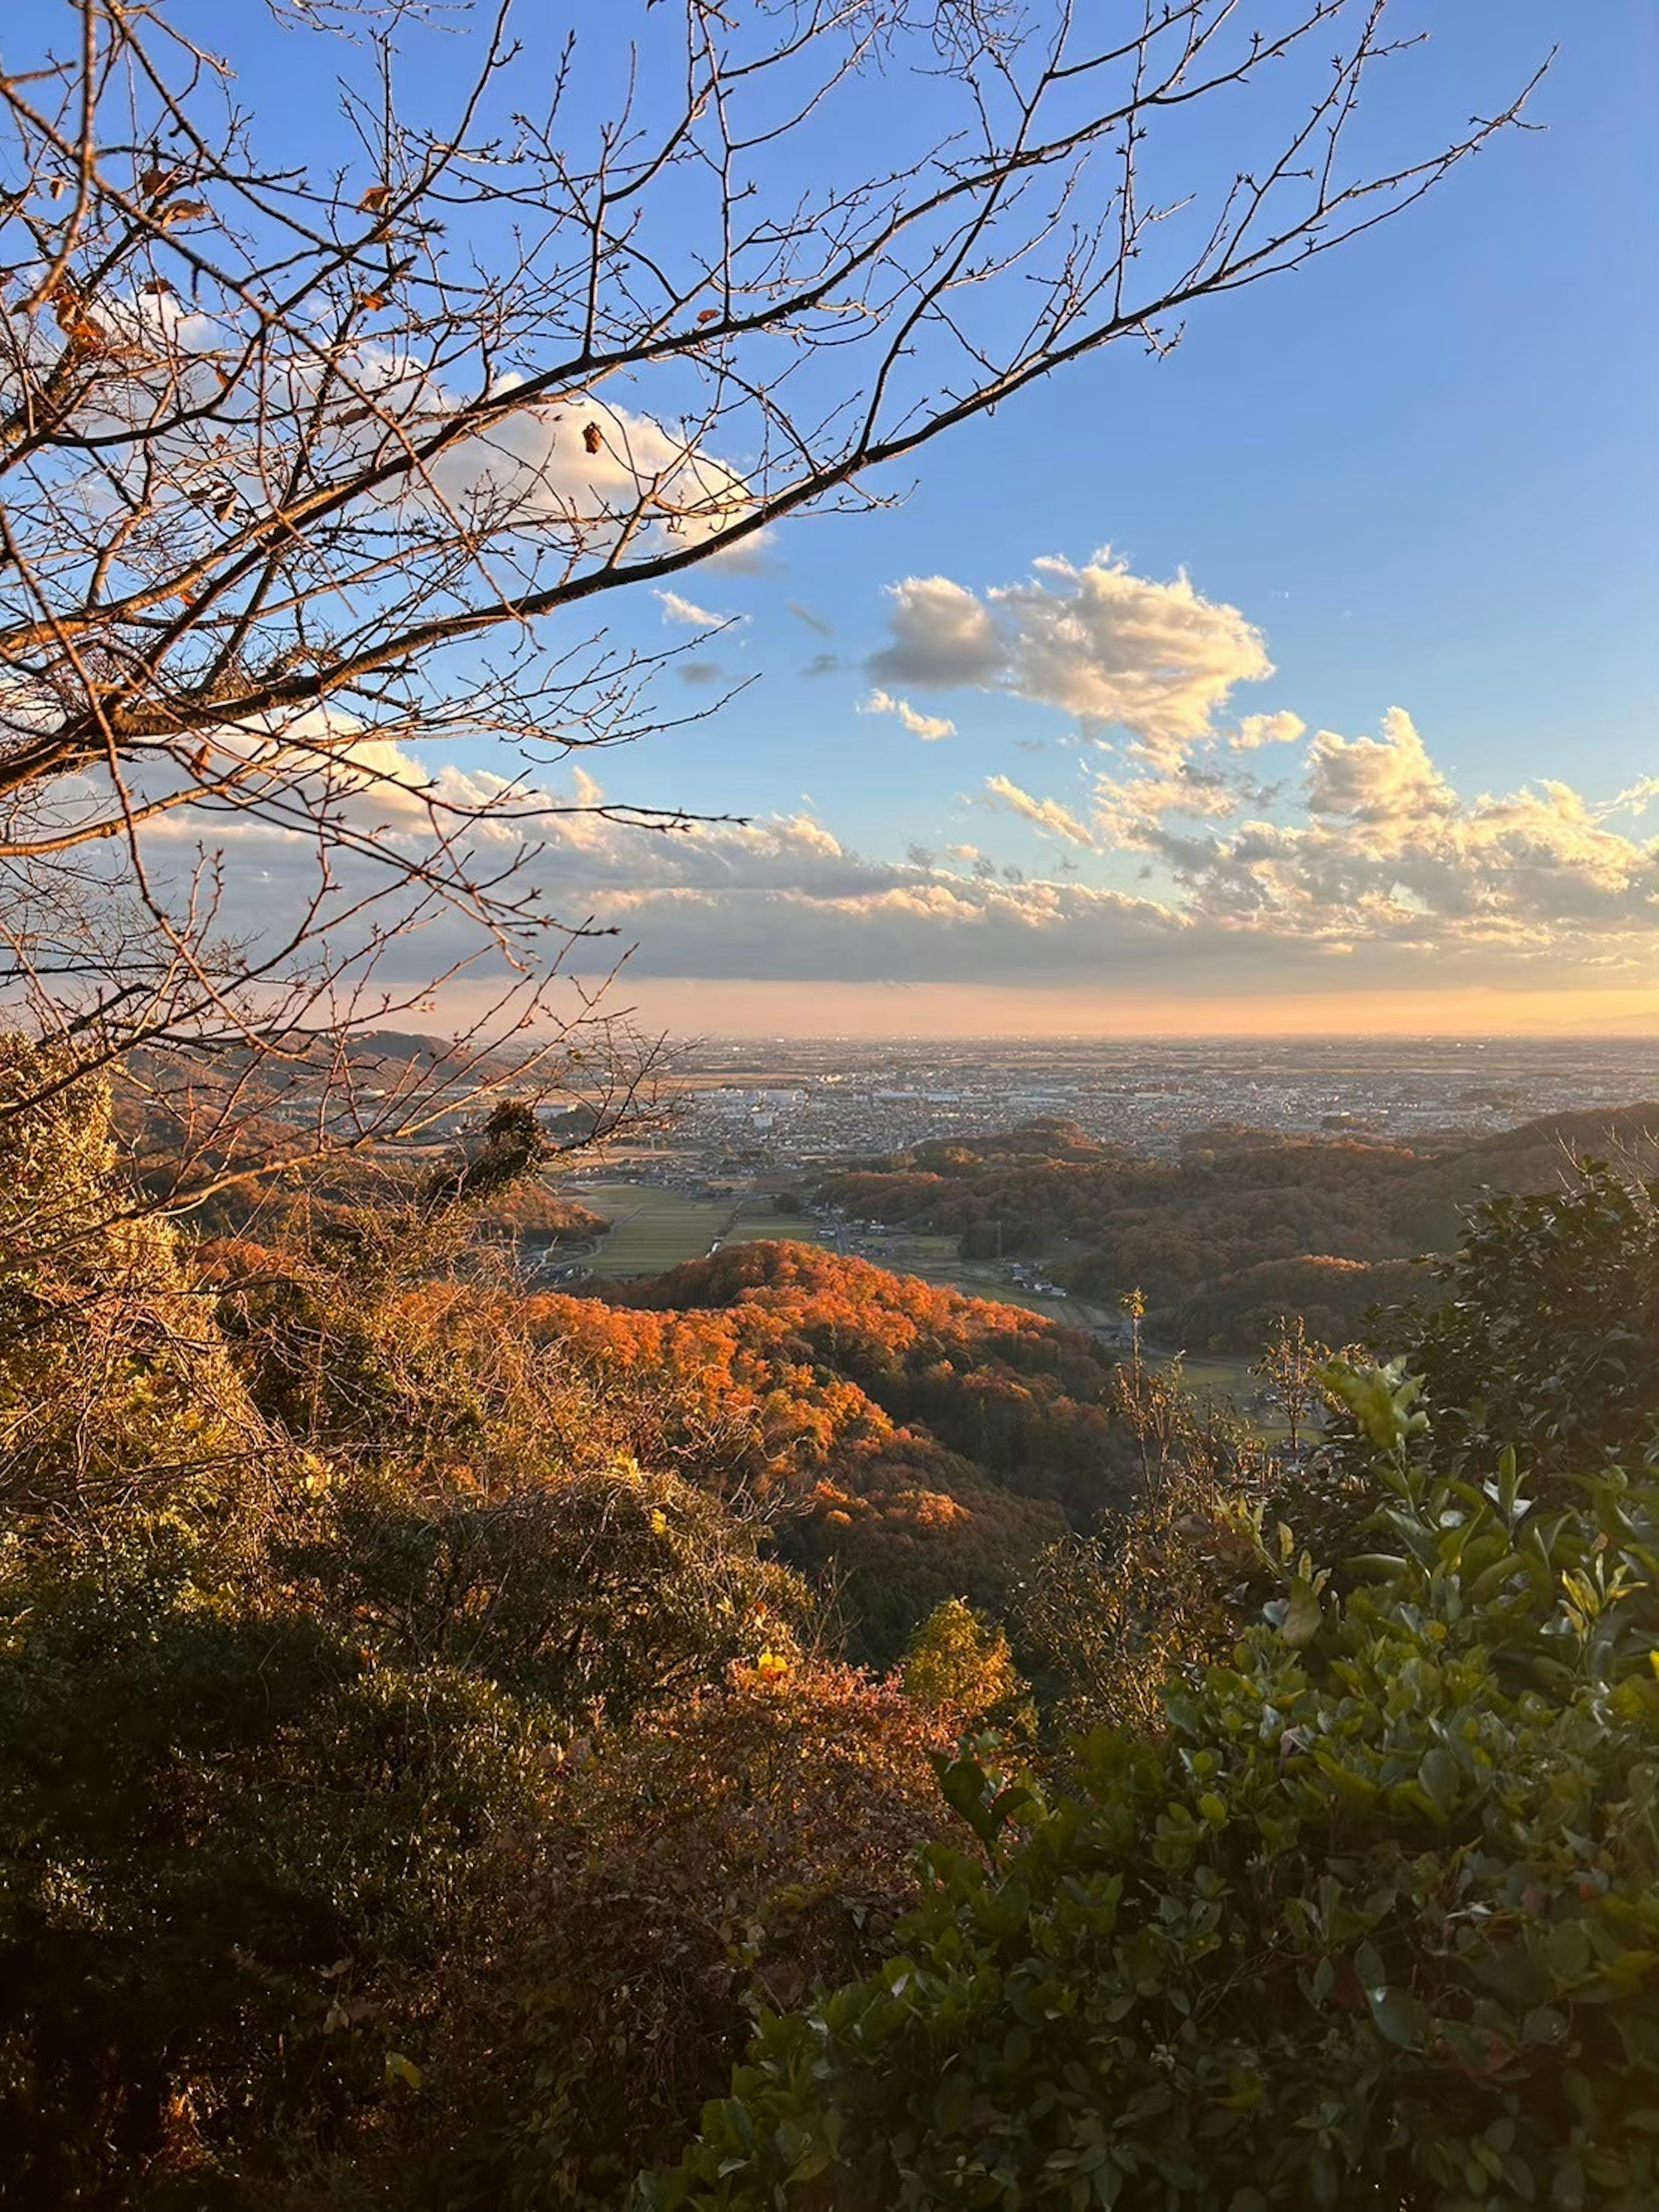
(364,1051)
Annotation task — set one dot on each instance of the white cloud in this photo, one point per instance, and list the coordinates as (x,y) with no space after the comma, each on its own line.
(930,728)
(1097,641)
(1129,810)
(590,468)
(676,610)
(1389,854)
(1387,781)
(1637,800)
(942,635)
(1047,813)
(1254,730)
(1392,873)
(532,487)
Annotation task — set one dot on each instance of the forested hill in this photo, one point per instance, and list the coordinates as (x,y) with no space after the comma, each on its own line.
(926,1442)
(1244,1224)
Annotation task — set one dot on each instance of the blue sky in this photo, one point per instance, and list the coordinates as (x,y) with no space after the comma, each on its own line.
(1420,478)
(1428,468)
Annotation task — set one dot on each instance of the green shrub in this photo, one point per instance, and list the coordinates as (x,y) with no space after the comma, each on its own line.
(1372,1923)
(592,1593)
(1546,1333)
(228,1834)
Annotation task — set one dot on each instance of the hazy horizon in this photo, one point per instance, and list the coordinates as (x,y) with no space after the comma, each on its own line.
(688,1010)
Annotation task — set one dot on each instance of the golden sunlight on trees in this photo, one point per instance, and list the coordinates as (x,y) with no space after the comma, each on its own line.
(109,1361)
(421,1780)
(959,1662)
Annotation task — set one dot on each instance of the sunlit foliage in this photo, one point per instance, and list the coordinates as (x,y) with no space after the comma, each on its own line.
(958,1663)
(1370,1923)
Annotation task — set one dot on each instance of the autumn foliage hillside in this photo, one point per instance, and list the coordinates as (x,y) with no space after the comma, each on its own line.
(421,1778)
(925,1442)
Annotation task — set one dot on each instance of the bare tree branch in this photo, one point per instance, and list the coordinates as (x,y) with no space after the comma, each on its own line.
(305,466)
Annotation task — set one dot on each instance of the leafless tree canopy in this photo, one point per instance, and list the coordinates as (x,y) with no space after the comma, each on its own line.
(307,462)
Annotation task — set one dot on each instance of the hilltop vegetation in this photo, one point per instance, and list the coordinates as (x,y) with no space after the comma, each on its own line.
(353,1626)
(1365,1923)
(1244,1226)
(432,1742)
(919,1444)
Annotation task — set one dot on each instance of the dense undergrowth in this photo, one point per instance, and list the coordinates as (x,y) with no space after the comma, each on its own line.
(443,1731)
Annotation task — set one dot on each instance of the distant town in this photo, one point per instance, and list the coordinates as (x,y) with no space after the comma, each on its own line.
(791,1104)
(745,1131)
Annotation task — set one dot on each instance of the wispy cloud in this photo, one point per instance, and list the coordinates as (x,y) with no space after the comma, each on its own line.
(1046,813)
(1637,800)
(929,727)
(1392,874)
(677,610)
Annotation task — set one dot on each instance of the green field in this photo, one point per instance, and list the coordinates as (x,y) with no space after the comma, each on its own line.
(934,1259)
(1228,1376)
(997,1292)
(652,1229)
(756,1222)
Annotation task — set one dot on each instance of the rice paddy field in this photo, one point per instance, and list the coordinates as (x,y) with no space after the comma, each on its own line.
(1070,1313)
(935,1259)
(1231,1378)
(1227,1377)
